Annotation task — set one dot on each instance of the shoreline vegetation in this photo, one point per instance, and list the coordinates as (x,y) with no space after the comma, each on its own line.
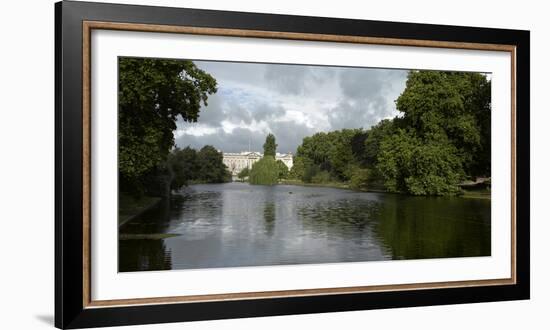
(130,208)
(438,144)
(478,193)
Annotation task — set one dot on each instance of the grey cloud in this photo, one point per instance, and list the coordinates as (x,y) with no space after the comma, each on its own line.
(259,93)
(236,141)
(224,72)
(368,97)
(369,83)
(227,106)
(212,114)
(288,135)
(288,79)
(359,114)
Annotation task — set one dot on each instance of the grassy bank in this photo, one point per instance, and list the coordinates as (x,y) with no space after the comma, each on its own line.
(129,207)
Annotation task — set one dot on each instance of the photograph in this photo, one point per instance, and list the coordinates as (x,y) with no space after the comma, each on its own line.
(217,164)
(240,164)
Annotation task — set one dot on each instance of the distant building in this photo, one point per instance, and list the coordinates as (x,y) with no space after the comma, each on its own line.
(238,161)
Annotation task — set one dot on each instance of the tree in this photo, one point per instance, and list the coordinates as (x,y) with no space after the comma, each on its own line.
(283,169)
(153,93)
(359,178)
(184,165)
(455,106)
(316,148)
(442,136)
(375,136)
(270,147)
(298,167)
(211,166)
(264,172)
(333,152)
(411,165)
(341,156)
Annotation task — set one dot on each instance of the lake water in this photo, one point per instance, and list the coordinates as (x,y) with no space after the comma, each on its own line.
(236,224)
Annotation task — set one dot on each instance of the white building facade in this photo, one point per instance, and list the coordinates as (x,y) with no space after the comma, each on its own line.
(238,161)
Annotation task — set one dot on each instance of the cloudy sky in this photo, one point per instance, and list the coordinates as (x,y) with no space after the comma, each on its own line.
(290,101)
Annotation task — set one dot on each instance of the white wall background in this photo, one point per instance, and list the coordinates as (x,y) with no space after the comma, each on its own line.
(27,163)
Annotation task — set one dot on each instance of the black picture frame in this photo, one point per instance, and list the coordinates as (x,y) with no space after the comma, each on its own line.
(70,309)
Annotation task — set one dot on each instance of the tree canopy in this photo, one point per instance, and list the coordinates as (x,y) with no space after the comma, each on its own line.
(331,152)
(153,93)
(204,166)
(270,147)
(266,171)
(442,137)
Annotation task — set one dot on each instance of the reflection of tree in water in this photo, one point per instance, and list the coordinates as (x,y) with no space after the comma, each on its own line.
(269,218)
(415,228)
(346,217)
(143,254)
(407,227)
(148,254)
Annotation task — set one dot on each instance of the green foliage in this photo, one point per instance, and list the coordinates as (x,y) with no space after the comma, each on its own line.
(211,166)
(321,177)
(441,138)
(418,167)
(264,172)
(243,174)
(375,135)
(453,106)
(359,178)
(184,165)
(310,171)
(333,152)
(153,93)
(298,168)
(188,165)
(270,147)
(283,169)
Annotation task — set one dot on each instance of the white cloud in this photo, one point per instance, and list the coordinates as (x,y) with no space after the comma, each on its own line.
(291,101)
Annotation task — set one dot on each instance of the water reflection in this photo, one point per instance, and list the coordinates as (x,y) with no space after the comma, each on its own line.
(230,225)
(143,254)
(424,227)
(269,218)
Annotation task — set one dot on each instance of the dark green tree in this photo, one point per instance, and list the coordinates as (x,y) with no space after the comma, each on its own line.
(297,170)
(341,155)
(411,165)
(184,165)
(316,148)
(270,147)
(375,135)
(453,106)
(211,166)
(153,93)
(334,152)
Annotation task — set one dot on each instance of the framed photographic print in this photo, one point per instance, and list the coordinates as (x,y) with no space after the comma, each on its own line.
(214,164)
